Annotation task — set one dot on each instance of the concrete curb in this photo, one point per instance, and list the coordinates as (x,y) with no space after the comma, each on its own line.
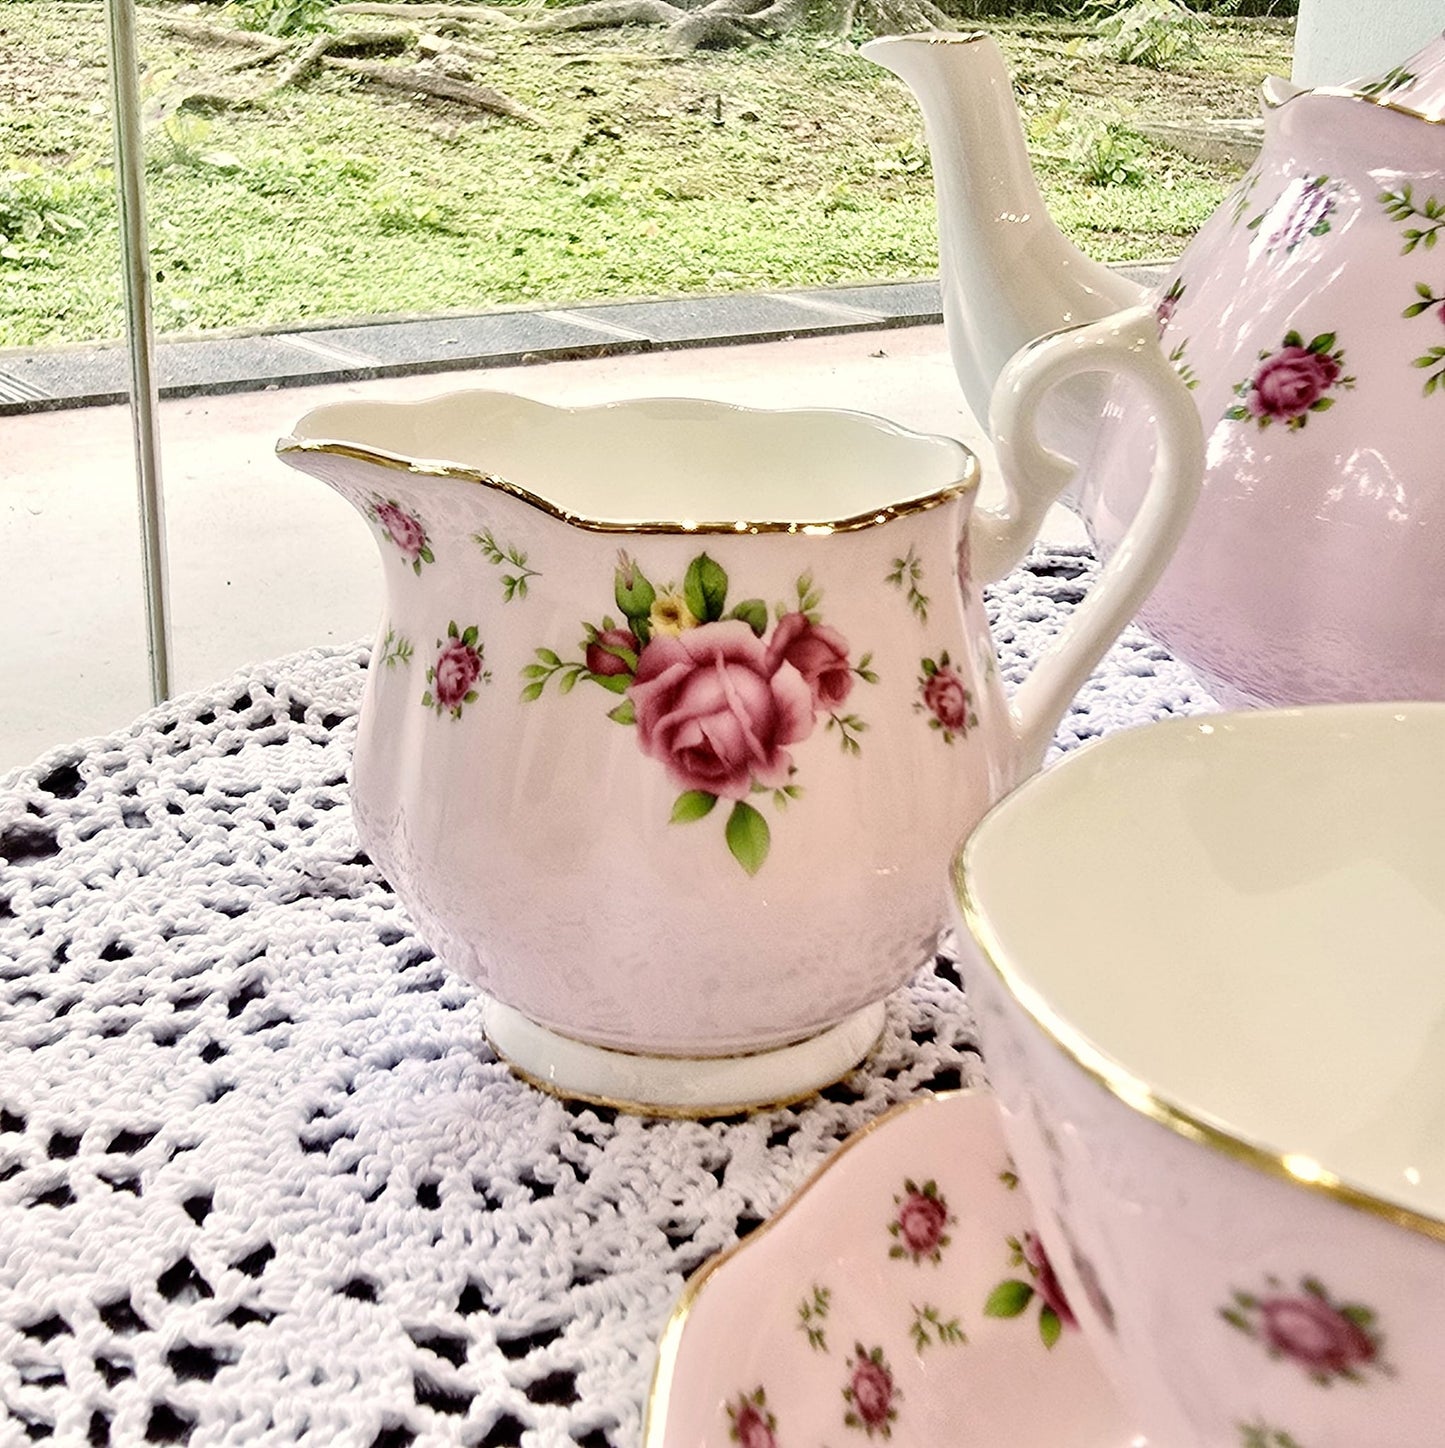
(47,379)
(50,379)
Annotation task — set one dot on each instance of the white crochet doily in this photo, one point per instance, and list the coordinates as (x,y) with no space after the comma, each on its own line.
(261,1180)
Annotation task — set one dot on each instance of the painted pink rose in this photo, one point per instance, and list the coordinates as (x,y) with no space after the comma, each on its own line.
(921,1220)
(750,1427)
(1168,304)
(1290,382)
(711,708)
(946,698)
(1314,1334)
(601,659)
(403,529)
(871,1385)
(818,653)
(456,672)
(1041,1270)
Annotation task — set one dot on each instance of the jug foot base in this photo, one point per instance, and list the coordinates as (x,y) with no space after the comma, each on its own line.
(683,1086)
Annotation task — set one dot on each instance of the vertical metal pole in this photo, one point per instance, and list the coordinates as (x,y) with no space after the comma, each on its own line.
(140,335)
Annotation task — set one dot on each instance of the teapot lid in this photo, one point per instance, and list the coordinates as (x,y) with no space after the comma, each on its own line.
(1415,87)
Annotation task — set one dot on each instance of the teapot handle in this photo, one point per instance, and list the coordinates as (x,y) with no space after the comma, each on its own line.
(1033,476)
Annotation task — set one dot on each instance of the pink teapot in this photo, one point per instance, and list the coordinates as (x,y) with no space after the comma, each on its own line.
(1307,318)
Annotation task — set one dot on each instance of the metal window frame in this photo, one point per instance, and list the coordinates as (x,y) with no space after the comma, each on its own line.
(140,335)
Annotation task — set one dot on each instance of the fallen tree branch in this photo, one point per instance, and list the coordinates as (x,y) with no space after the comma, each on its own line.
(413,81)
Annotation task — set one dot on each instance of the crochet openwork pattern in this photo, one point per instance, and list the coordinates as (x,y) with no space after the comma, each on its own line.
(261,1180)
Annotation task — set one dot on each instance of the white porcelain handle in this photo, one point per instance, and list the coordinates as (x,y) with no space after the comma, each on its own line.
(1126,343)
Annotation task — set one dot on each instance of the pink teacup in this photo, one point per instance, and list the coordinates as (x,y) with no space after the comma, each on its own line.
(1208,962)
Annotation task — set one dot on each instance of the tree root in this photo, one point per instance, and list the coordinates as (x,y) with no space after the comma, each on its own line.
(208,34)
(425,12)
(300,66)
(296,60)
(413,81)
(607,14)
(711,29)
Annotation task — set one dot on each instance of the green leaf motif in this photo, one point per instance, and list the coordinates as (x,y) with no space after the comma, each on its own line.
(624,713)
(754,613)
(748,837)
(692,805)
(1049,1326)
(705,588)
(531,692)
(1008,1299)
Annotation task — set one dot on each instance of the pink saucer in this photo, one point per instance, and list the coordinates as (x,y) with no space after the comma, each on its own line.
(900,1296)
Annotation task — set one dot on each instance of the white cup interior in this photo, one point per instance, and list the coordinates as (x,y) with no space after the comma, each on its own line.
(667,460)
(1246,913)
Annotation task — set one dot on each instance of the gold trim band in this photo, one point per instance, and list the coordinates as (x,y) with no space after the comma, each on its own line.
(856,523)
(1340,93)
(1296,1167)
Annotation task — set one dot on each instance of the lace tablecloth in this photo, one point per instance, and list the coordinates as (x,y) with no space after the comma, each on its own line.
(261,1180)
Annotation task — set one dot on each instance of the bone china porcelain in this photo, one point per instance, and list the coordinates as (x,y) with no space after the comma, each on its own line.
(677,707)
(901,1296)
(1305,317)
(1208,963)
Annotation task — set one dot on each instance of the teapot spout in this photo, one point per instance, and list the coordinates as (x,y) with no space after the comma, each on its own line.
(1008,273)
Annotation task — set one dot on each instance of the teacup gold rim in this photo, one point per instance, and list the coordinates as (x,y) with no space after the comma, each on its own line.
(964,485)
(654,1417)
(1132,1090)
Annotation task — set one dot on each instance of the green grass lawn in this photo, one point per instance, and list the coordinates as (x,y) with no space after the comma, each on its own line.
(783,165)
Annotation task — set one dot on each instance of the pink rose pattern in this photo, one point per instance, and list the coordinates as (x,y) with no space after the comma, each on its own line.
(457,671)
(1328,1340)
(943,696)
(918,1232)
(1013,1296)
(920,1226)
(405,530)
(717,712)
(1292,382)
(750,1424)
(719,696)
(871,1394)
